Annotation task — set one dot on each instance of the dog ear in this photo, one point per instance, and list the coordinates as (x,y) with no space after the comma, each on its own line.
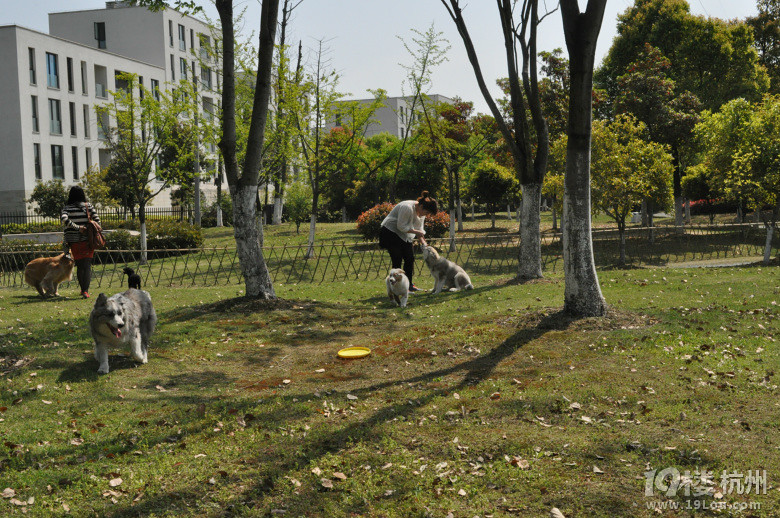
(101,299)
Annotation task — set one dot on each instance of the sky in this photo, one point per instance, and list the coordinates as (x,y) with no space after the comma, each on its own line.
(364,43)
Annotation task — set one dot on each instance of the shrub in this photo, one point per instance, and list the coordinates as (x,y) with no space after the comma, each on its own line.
(49,198)
(173,234)
(209,217)
(121,240)
(437,225)
(369,222)
(30,228)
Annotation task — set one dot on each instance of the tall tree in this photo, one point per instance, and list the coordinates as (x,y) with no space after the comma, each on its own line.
(647,92)
(529,149)
(243,182)
(582,293)
(766,32)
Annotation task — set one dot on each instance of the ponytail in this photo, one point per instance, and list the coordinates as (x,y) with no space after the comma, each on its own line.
(428,203)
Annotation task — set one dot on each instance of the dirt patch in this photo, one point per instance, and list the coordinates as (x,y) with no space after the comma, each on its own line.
(559,320)
(10,363)
(246,305)
(517,281)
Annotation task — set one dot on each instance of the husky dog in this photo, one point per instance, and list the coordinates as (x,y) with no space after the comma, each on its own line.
(46,273)
(124,319)
(446,274)
(397,286)
(133,279)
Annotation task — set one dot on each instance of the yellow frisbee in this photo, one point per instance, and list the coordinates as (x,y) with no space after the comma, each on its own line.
(354,352)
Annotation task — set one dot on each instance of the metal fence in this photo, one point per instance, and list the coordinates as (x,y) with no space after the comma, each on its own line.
(159,213)
(336,262)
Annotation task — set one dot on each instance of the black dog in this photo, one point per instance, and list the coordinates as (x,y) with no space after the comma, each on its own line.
(133,279)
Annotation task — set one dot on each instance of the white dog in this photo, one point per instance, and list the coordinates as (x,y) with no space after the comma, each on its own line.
(446,274)
(126,319)
(397,286)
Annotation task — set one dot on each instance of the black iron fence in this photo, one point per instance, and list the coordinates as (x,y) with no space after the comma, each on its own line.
(158,213)
(336,262)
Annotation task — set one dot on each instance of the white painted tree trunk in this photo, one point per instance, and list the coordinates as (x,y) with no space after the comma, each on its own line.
(509,212)
(679,215)
(530,263)
(645,215)
(453,248)
(142,244)
(460,216)
(278,206)
(492,220)
(770,231)
(248,232)
(220,223)
(312,228)
(472,209)
(343,214)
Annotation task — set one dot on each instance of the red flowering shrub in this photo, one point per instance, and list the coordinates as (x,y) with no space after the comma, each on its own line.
(437,225)
(369,222)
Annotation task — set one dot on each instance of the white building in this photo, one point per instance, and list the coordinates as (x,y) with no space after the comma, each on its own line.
(52,83)
(394,117)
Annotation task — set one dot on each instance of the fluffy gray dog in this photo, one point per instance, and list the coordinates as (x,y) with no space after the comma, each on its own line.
(125,319)
(446,274)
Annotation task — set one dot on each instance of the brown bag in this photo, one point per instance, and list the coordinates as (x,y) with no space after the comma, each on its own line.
(94,233)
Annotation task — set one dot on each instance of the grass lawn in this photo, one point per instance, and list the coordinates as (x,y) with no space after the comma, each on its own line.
(483,403)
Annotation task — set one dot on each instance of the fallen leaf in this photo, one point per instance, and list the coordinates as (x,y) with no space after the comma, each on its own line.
(574,406)
(8,493)
(114,482)
(456,395)
(520,463)
(326,483)
(213,481)
(316,471)
(597,470)
(14,501)
(556,513)
(340,476)
(320,370)
(161,388)
(351,397)
(45,402)
(286,382)
(78,441)
(495,395)
(462,492)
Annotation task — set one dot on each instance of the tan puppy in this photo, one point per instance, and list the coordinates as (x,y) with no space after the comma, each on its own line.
(46,273)
(397,286)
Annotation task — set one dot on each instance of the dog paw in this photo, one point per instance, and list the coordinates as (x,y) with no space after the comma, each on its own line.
(103,370)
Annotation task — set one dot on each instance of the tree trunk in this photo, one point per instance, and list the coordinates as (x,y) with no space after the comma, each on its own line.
(582,293)
(453,248)
(246,229)
(645,213)
(622,232)
(312,225)
(343,214)
(509,212)
(473,218)
(770,231)
(142,239)
(687,211)
(277,217)
(492,219)
(530,264)
(554,217)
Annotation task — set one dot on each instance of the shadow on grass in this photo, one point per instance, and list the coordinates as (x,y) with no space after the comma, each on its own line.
(86,370)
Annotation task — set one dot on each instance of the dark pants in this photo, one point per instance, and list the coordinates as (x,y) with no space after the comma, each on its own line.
(84,272)
(400,251)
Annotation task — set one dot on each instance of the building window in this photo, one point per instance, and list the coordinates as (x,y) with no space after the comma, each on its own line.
(74,153)
(72,113)
(69,70)
(100,34)
(101,81)
(183,69)
(52,71)
(84,77)
(55,117)
(85,109)
(182,38)
(36,127)
(88,152)
(155,86)
(192,39)
(170,32)
(37,161)
(205,46)
(205,77)
(57,169)
(173,68)
(31,53)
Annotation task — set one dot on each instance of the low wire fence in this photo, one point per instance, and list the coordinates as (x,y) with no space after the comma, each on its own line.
(158,213)
(336,262)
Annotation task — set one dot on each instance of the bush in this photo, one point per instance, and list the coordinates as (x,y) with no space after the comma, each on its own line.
(172,234)
(49,198)
(121,240)
(209,217)
(437,225)
(369,222)
(31,228)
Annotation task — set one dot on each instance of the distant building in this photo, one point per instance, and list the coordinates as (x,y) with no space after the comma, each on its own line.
(394,117)
(52,83)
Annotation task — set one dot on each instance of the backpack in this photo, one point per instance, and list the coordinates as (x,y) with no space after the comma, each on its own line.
(94,232)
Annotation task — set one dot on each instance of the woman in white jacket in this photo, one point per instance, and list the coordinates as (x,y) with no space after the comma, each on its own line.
(399,229)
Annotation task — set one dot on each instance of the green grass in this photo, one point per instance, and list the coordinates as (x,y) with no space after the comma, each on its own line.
(244,408)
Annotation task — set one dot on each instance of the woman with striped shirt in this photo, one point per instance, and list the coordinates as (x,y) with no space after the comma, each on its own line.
(75,219)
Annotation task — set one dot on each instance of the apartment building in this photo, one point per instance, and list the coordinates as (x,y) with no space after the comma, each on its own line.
(394,117)
(52,83)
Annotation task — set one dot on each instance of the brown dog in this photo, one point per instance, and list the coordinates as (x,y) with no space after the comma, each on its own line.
(46,273)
